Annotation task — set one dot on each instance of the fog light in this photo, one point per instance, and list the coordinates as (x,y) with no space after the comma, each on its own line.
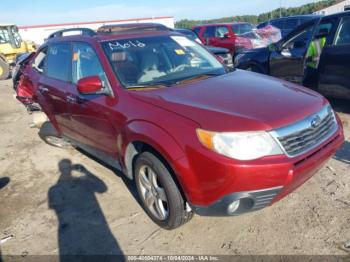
(233,207)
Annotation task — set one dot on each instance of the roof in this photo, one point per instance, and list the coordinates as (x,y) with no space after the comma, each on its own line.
(7,24)
(131,28)
(94,22)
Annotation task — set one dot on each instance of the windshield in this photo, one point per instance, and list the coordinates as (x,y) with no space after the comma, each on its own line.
(240,29)
(160,60)
(4,35)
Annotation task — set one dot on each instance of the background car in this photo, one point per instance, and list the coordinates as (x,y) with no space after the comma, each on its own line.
(222,35)
(286,59)
(223,53)
(288,24)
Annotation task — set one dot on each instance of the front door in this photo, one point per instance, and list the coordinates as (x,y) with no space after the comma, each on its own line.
(287,61)
(334,68)
(91,114)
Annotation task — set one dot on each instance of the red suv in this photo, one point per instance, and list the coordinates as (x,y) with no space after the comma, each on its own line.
(223,35)
(194,137)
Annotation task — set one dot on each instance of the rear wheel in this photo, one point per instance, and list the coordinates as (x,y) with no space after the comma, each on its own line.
(49,134)
(4,70)
(159,193)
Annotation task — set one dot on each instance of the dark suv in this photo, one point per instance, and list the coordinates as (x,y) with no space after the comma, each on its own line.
(286,59)
(194,137)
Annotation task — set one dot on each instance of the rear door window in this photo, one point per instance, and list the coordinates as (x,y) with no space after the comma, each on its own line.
(59,59)
(209,32)
(343,35)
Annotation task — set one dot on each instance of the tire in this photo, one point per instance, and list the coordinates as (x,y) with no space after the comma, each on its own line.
(4,70)
(50,136)
(175,214)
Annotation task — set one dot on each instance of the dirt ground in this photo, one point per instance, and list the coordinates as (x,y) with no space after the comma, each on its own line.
(48,207)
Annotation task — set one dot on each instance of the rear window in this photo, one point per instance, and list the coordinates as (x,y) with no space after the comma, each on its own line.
(290,23)
(277,23)
(240,29)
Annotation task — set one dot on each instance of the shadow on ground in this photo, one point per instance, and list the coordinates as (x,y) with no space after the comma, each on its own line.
(343,154)
(4,182)
(83,231)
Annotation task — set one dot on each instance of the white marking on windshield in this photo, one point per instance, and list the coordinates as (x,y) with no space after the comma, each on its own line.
(131,43)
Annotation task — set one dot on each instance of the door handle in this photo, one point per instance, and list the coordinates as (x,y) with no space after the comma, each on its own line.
(43,89)
(71,99)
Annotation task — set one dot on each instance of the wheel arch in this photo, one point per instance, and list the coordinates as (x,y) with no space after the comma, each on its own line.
(142,136)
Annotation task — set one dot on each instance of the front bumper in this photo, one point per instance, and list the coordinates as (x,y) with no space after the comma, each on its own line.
(248,201)
(257,184)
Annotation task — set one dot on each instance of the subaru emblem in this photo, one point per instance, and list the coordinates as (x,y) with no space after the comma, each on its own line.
(316,121)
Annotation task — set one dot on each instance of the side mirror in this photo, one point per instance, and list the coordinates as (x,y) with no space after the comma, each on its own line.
(227,35)
(286,53)
(90,85)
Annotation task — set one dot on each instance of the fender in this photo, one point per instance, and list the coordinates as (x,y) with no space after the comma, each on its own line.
(152,135)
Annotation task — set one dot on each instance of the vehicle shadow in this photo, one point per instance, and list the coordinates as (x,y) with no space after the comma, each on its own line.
(343,154)
(128,183)
(4,182)
(83,232)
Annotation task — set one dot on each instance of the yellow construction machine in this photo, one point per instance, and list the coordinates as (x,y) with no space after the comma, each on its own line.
(11,45)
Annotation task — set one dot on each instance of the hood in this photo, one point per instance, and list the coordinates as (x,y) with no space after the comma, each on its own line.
(239,101)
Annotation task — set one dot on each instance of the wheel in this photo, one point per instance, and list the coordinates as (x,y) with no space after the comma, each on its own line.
(255,69)
(159,193)
(49,134)
(4,70)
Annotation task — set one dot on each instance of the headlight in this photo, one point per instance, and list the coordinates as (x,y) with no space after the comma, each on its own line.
(240,145)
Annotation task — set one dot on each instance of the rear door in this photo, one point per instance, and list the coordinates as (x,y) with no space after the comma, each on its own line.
(287,61)
(334,69)
(54,83)
(91,114)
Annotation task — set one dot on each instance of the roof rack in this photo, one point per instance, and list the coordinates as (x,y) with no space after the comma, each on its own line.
(131,28)
(82,31)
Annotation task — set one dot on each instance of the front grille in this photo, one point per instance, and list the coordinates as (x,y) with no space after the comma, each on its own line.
(308,133)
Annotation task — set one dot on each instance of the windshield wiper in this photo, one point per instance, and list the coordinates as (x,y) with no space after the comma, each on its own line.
(150,86)
(197,77)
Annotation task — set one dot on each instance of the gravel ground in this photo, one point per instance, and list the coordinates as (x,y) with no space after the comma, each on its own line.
(49,208)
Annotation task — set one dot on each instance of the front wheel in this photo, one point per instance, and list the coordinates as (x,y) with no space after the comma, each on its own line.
(4,70)
(159,193)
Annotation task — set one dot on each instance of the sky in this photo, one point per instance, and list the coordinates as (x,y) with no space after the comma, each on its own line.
(36,12)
